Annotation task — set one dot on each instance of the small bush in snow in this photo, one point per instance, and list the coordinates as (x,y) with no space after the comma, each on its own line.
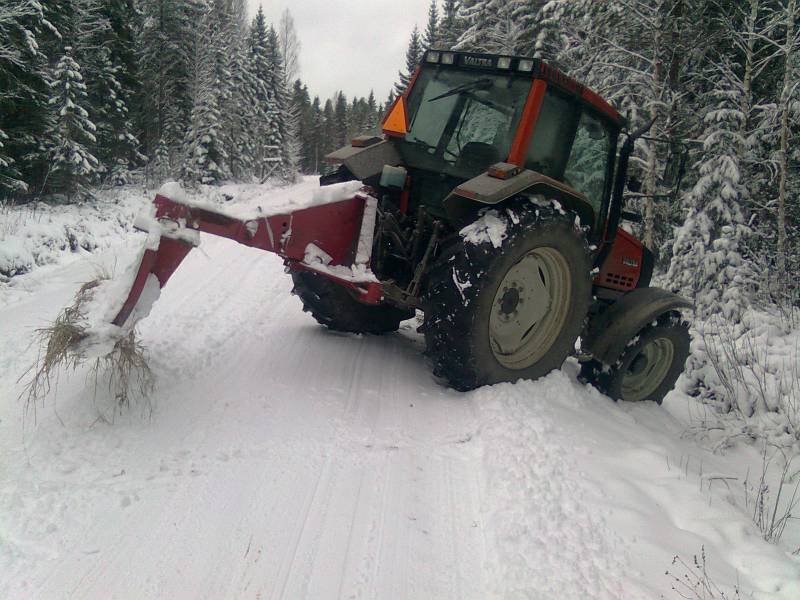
(694,582)
(772,507)
(749,373)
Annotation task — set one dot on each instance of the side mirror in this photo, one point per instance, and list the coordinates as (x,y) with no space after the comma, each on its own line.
(675,168)
(634,185)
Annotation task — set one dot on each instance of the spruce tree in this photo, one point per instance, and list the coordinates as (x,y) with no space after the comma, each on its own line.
(168,51)
(527,15)
(206,159)
(265,129)
(413,57)
(430,39)
(476,22)
(24,91)
(71,135)
(373,116)
(106,59)
(340,121)
(449,30)
(708,256)
(317,135)
(301,104)
(283,121)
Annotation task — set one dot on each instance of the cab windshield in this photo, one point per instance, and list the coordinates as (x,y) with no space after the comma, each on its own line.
(462,122)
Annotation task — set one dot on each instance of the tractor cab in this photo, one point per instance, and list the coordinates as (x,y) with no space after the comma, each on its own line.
(464,112)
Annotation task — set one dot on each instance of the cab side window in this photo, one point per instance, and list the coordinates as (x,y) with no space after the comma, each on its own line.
(587,167)
(552,138)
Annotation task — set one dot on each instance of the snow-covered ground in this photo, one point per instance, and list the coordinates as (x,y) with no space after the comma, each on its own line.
(279,460)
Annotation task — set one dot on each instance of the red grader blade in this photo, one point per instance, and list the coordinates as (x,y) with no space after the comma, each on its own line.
(332,238)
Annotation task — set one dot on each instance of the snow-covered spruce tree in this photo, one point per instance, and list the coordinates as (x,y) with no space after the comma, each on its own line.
(747,31)
(17,47)
(526,15)
(72,132)
(317,133)
(25,114)
(413,56)
(503,26)
(340,121)
(478,22)
(206,159)
(708,262)
(449,28)
(328,137)
(789,14)
(265,131)
(282,118)
(373,115)
(240,110)
(167,53)
(430,39)
(301,101)
(106,53)
(10,178)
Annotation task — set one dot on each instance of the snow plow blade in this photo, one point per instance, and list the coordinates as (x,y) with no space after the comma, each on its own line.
(332,238)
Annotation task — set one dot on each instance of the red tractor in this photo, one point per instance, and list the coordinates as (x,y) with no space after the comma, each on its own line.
(492,204)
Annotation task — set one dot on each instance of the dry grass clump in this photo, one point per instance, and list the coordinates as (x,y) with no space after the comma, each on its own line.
(125,368)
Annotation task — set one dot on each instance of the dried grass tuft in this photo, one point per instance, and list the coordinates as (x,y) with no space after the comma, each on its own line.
(128,374)
(125,368)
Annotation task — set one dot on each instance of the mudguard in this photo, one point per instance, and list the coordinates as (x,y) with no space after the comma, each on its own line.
(610,331)
(486,189)
(366,161)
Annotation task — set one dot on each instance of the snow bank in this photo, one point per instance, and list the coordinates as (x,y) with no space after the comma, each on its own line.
(748,374)
(39,234)
(588,498)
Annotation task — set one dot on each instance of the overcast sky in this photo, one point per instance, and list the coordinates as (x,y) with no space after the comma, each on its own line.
(350,45)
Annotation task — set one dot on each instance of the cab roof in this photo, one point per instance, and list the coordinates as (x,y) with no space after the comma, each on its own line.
(534,67)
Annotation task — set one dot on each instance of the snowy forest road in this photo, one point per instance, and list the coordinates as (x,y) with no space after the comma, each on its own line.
(284,461)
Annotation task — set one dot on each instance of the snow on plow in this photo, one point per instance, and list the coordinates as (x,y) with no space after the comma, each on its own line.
(330,234)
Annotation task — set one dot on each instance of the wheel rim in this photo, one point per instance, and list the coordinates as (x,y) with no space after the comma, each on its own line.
(647,370)
(530,308)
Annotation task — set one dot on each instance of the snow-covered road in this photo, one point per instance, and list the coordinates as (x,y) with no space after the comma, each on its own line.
(284,461)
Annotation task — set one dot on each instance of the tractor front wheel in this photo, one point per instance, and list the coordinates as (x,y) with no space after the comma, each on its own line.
(333,306)
(507,297)
(648,367)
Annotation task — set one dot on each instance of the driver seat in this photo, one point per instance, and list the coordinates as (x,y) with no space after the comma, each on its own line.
(476,157)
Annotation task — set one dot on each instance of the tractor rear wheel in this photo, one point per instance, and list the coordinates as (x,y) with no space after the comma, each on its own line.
(508,297)
(333,306)
(648,367)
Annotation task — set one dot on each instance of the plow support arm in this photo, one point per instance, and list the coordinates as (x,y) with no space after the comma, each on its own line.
(333,239)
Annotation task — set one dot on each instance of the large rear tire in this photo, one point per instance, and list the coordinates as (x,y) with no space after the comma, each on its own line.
(507,297)
(332,306)
(648,367)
